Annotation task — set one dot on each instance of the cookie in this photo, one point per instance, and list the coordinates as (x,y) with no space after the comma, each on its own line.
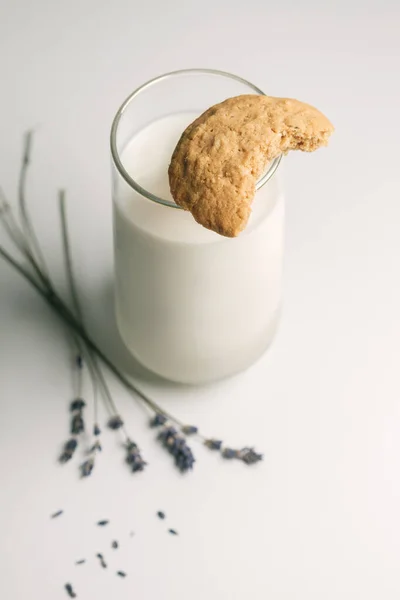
(222,154)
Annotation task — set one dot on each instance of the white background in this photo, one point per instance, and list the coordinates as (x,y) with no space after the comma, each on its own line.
(320,518)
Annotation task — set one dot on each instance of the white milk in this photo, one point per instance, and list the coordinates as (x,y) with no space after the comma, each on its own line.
(192,305)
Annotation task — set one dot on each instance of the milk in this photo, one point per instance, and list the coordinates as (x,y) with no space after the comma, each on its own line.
(191,305)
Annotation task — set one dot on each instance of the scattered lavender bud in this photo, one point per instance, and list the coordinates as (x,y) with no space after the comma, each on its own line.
(157,420)
(121,573)
(77,404)
(249,456)
(213,444)
(96,430)
(96,447)
(103,523)
(57,514)
(77,424)
(176,445)
(189,429)
(79,361)
(69,590)
(102,561)
(172,532)
(161,514)
(80,562)
(134,458)
(115,422)
(229,453)
(115,544)
(87,467)
(68,451)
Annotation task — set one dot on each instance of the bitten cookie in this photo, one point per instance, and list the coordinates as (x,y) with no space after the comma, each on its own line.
(221,155)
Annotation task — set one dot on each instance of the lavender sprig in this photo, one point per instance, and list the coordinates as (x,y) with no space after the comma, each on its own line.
(36,273)
(115,422)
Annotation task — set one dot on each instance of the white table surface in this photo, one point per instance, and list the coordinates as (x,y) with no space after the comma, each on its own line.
(320,517)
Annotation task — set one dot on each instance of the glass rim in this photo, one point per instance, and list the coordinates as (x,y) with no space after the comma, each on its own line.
(114,129)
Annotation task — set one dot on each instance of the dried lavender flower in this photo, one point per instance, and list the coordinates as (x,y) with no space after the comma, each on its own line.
(121,573)
(68,451)
(103,523)
(249,456)
(79,361)
(69,590)
(172,532)
(115,422)
(96,430)
(87,467)
(77,404)
(134,458)
(176,445)
(213,444)
(161,514)
(96,447)
(102,561)
(229,453)
(158,420)
(77,424)
(189,429)
(56,514)
(115,544)
(80,562)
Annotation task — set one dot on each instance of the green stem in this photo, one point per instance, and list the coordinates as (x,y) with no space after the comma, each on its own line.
(31,241)
(92,358)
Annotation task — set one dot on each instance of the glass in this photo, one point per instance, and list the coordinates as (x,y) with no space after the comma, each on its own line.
(191,306)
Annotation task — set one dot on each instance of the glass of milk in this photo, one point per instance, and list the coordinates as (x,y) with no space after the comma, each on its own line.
(191,305)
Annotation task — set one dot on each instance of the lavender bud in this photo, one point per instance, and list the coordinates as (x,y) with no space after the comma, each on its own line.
(79,361)
(69,590)
(176,445)
(249,456)
(68,451)
(96,430)
(158,420)
(213,444)
(134,458)
(229,453)
(102,561)
(77,404)
(87,467)
(96,447)
(77,424)
(115,422)
(189,429)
